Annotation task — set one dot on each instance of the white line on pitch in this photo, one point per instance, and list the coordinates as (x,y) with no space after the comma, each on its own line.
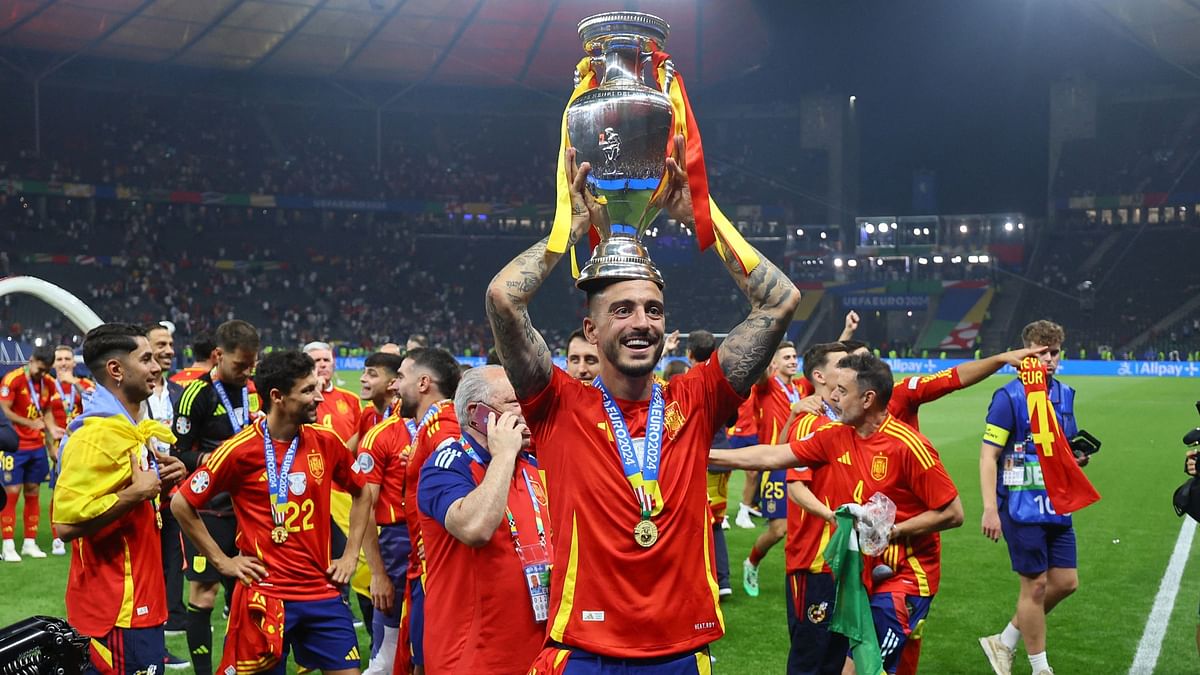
(1160,615)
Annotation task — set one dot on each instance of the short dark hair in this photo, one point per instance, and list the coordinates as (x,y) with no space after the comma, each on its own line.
(816,356)
(281,370)
(786,344)
(576,334)
(237,334)
(203,345)
(106,341)
(675,368)
(64,348)
(873,374)
(419,339)
(700,345)
(45,354)
(384,360)
(442,364)
(852,345)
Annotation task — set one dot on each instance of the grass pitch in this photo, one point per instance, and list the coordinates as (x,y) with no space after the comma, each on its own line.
(1124,543)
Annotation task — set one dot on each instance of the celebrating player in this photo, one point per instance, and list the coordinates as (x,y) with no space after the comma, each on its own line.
(289,597)
(379,371)
(204,358)
(625,461)
(214,407)
(775,395)
(483,507)
(27,398)
(427,382)
(339,408)
(1041,542)
(874,452)
(106,502)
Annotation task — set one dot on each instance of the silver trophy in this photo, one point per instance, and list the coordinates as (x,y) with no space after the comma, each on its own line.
(621,128)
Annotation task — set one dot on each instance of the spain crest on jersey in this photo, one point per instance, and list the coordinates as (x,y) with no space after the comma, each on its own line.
(316,464)
(342,408)
(673,420)
(879,465)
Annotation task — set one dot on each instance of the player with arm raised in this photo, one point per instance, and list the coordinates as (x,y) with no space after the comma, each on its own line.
(625,462)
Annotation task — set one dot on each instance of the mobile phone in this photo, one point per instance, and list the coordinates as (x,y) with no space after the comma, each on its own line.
(479,418)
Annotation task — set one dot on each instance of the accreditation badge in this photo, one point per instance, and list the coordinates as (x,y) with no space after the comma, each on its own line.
(1014,469)
(535,564)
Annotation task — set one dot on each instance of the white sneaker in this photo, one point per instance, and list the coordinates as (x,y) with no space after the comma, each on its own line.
(58,547)
(9,553)
(743,519)
(30,548)
(1000,656)
(725,523)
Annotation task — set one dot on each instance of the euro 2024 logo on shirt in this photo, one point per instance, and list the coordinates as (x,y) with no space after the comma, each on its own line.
(297,483)
(200,481)
(364,464)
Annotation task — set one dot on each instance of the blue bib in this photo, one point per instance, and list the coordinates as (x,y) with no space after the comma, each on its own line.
(1028,502)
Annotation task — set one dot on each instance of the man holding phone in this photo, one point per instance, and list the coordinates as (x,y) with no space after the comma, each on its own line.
(483,508)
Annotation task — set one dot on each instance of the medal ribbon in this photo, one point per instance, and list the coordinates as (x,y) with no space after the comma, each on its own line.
(830,412)
(433,409)
(643,480)
(34,394)
(793,395)
(467,444)
(412,429)
(68,401)
(234,420)
(277,476)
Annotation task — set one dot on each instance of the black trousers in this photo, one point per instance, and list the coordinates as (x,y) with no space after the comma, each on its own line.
(172,557)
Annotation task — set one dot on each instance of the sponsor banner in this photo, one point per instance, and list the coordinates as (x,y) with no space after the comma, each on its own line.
(904,367)
(885,301)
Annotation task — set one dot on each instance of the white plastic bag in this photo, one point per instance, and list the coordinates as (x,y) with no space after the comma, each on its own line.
(875,524)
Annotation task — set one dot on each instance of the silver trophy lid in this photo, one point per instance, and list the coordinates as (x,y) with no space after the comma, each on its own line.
(625,23)
(620,257)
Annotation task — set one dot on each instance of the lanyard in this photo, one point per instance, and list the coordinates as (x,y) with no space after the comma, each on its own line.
(647,475)
(433,410)
(68,401)
(792,394)
(34,394)
(234,419)
(277,476)
(830,412)
(412,429)
(508,514)
(387,412)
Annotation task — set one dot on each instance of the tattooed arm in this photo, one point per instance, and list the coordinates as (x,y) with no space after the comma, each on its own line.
(521,348)
(747,351)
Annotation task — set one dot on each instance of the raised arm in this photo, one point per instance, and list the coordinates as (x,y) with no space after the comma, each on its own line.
(972,372)
(748,349)
(762,457)
(521,348)
(850,326)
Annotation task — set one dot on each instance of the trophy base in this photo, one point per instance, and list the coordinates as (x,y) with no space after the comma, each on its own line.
(620,257)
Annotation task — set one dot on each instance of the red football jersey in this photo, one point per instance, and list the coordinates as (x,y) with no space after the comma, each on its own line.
(774,406)
(901,463)
(807,535)
(339,409)
(69,402)
(116,577)
(296,568)
(609,595)
(187,375)
(368,417)
(476,599)
(747,419)
(383,446)
(439,429)
(910,393)
(29,402)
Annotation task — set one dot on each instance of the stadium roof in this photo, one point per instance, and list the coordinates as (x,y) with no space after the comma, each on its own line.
(476,42)
(1167,28)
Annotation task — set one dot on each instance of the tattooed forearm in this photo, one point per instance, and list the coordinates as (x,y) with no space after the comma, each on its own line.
(748,349)
(521,348)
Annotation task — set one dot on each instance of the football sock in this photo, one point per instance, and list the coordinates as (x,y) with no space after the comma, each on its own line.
(33,511)
(756,556)
(199,638)
(1039,662)
(8,517)
(1010,636)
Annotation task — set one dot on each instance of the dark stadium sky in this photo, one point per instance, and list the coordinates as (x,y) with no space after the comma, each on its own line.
(957,86)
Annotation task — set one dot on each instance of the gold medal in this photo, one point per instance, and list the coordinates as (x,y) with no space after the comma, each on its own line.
(645,533)
(279,534)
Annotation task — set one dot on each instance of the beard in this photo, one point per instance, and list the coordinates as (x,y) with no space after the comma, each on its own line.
(408,407)
(612,351)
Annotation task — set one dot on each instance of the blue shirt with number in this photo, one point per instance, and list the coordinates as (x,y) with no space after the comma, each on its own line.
(1008,429)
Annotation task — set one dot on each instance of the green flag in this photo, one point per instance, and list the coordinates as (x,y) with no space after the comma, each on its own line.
(852,606)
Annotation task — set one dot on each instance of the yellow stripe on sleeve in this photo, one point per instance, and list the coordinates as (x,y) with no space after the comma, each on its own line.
(914,444)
